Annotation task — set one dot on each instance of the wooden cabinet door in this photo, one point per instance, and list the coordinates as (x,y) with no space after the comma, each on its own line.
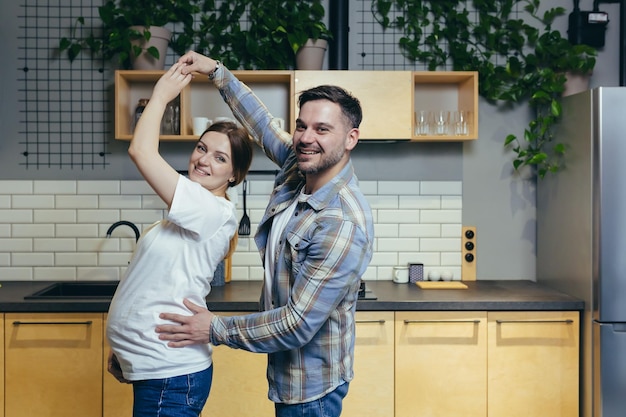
(441,358)
(386,98)
(2,368)
(53,364)
(117,397)
(533,364)
(371,391)
(239,384)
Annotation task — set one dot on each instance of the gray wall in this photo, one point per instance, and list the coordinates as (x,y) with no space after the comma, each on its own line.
(498,201)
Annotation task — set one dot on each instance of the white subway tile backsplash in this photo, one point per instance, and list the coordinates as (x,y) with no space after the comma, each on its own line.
(54,273)
(32,230)
(382,202)
(415,221)
(76,259)
(32,259)
(54,187)
(121,201)
(426,202)
(440,244)
(5,201)
(53,245)
(442,188)
(16,216)
(451,202)
(387,230)
(398,216)
(369,188)
(113,258)
(135,188)
(141,216)
(54,216)
(98,187)
(77,201)
(76,230)
(16,245)
(398,188)
(12,273)
(98,244)
(398,244)
(100,273)
(98,216)
(152,202)
(420,230)
(14,187)
(440,216)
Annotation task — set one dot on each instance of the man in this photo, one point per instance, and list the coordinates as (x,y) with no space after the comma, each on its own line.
(315,240)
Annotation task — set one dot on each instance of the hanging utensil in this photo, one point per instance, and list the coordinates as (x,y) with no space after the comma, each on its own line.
(244,223)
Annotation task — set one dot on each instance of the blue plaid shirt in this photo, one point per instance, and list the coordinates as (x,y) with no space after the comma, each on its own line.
(309,331)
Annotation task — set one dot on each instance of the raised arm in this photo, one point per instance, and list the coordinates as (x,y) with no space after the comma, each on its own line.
(144,147)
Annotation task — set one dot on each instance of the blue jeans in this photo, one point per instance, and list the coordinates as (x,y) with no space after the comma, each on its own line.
(180,396)
(327,406)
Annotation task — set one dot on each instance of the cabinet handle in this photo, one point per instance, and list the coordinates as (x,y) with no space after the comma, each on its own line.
(566,321)
(441,321)
(21,323)
(381,321)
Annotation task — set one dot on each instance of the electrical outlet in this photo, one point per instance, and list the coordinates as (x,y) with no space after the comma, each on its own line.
(468,253)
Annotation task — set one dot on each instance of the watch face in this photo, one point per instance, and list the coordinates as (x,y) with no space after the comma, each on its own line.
(416,272)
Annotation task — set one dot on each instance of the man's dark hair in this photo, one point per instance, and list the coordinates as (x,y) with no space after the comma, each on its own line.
(350,105)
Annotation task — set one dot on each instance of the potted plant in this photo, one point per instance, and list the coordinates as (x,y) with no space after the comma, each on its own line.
(516,61)
(127,26)
(276,31)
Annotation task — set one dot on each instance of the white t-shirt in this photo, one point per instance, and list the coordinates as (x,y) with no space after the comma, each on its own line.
(174,259)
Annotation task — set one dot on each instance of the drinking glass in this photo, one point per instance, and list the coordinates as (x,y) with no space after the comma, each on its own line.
(421,122)
(441,122)
(461,122)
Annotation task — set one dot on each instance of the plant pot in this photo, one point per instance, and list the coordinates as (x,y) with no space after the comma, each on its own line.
(311,55)
(575,83)
(160,39)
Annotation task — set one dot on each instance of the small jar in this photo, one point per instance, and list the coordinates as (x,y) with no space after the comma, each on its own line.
(141,105)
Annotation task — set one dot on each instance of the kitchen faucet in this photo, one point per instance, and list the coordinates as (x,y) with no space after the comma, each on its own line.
(121,223)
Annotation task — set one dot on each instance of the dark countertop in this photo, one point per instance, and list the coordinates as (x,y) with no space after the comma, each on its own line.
(243,296)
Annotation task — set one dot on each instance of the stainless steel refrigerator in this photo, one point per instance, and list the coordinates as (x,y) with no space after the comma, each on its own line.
(581,239)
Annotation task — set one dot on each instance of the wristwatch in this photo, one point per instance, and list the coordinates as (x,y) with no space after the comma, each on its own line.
(218,64)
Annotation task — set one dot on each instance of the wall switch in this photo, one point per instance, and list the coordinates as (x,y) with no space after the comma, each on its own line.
(468,253)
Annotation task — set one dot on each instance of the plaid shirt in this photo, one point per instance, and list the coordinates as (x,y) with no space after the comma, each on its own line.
(309,331)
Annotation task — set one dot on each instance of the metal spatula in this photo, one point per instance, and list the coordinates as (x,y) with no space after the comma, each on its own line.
(244,223)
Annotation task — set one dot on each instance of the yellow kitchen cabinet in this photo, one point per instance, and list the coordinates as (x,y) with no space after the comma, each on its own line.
(389,99)
(2,368)
(239,384)
(199,99)
(117,397)
(371,391)
(385,97)
(533,364)
(53,364)
(441,363)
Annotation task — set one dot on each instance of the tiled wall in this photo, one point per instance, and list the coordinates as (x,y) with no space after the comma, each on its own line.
(56,230)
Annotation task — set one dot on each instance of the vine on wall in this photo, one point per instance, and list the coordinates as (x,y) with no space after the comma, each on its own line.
(517,54)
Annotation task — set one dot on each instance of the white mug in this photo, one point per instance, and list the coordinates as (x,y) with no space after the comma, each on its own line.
(200,124)
(400,274)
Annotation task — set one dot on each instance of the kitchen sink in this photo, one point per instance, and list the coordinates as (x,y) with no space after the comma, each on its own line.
(76,290)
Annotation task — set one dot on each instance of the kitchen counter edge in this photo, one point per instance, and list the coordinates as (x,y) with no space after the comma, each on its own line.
(243,296)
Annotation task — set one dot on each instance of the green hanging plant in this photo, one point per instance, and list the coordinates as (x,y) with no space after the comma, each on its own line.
(516,61)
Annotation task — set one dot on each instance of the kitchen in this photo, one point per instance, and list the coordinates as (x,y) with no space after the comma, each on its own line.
(55,229)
